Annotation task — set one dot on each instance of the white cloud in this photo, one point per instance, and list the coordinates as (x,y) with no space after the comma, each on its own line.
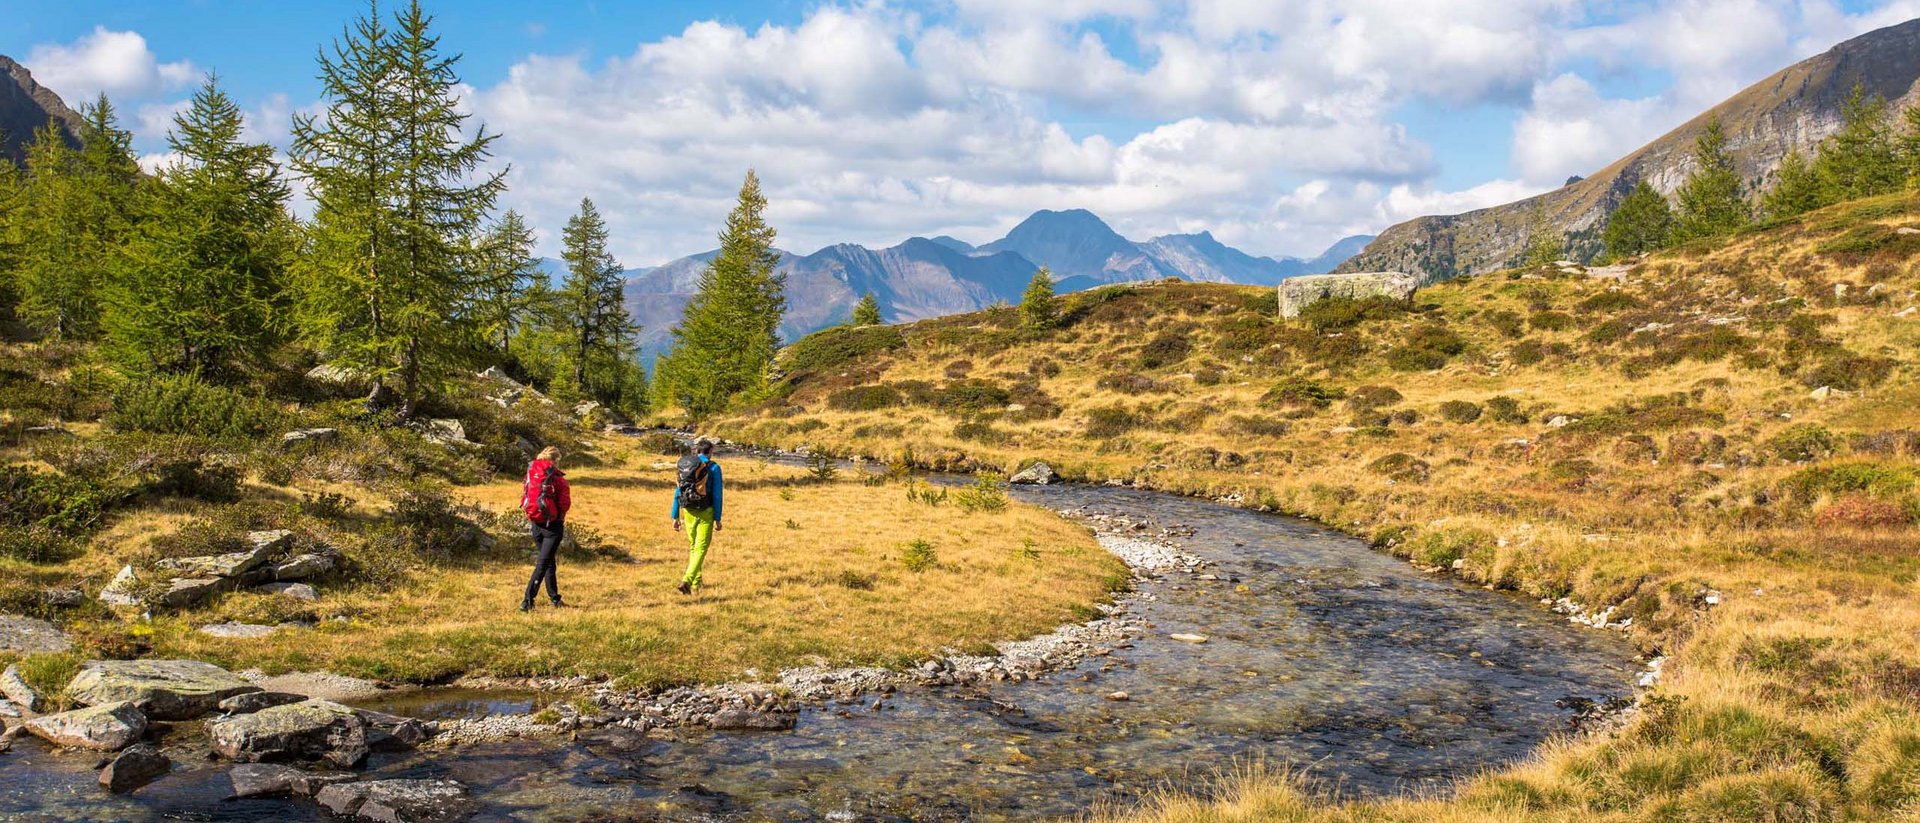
(117,63)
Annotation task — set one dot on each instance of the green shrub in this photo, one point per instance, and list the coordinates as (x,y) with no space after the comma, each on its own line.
(1165,349)
(918,556)
(1877,479)
(1503,409)
(972,396)
(1367,398)
(1131,384)
(1507,323)
(1849,372)
(1441,548)
(979,431)
(1244,334)
(1110,421)
(182,404)
(58,502)
(1426,348)
(1527,353)
(1609,301)
(865,398)
(988,494)
(1460,411)
(1301,392)
(1550,321)
(1802,443)
(838,346)
(1258,426)
(1572,474)
(1401,467)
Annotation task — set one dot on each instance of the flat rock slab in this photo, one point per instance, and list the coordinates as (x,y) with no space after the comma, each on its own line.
(170,689)
(311,730)
(108,727)
(28,635)
(399,801)
(19,691)
(135,767)
(266,779)
(302,566)
(256,701)
(741,719)
(238,630)
(297,591)
(261,546)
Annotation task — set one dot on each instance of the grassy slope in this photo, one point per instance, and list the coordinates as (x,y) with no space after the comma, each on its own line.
(1690,468)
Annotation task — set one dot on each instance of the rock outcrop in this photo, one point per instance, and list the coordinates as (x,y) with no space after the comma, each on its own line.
(1301,292)
(16,689)
(311,730)
(167,689)
(28,635)
(107,727)
(189,580)
(398,801)
(26,107)
(1797,107)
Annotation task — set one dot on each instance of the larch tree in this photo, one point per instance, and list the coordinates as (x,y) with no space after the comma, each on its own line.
(1643,222)
(1862,158)
(199,281)
(729,332)
(590,308)
(388,283)
(75,212)
(1545,243)
(512,288)
(1797,189)
(867,311)
(1711,201)
(1039,307)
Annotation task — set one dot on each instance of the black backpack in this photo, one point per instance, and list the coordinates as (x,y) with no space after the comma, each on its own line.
(696,483)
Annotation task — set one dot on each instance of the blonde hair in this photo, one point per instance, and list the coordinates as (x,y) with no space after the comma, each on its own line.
(549,453)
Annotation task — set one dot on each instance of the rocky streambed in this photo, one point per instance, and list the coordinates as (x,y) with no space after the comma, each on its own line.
(1248,637)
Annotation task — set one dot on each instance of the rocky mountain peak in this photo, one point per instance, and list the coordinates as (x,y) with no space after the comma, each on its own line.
(25,108)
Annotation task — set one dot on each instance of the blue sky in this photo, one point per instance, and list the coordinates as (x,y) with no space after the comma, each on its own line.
(1277,125)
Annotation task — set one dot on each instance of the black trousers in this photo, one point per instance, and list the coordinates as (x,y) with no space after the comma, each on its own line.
(546,542)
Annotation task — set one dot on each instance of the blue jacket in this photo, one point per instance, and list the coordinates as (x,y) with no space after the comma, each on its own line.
(715,483)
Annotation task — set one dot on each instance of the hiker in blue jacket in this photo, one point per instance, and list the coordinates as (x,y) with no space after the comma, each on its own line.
(698,496)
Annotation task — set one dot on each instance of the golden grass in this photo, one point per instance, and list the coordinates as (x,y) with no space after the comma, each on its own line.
(829,587)
(1795,699)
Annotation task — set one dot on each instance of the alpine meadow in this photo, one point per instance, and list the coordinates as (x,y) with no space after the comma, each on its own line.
(377,442)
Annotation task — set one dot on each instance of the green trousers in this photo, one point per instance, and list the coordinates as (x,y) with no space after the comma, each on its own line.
(699,527)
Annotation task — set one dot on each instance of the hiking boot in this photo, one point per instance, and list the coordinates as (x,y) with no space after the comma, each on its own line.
(558,604)
(526,605)
(684,587)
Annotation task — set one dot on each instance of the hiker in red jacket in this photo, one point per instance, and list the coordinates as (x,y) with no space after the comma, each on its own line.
(545,498)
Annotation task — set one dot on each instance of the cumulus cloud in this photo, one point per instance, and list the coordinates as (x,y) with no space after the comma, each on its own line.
(117,63)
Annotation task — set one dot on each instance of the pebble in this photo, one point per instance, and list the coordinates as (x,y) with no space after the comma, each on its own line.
(1189,638)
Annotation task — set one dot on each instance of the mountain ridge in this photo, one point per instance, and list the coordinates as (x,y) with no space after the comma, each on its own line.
(25,108)
(1794,108)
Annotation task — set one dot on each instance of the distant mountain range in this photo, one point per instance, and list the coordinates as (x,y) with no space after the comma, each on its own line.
(1797,107)
(928,277)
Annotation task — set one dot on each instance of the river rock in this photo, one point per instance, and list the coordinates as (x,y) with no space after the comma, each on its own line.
(302,436)
(27,635)
(1037,474)
(399,801)
(107,727)
(133,768)
(256,701)
(266,779)
(169,689)
(1190,638)
(297,591)
(244,631)
(17,690)
(737,718)
(388,731)
(302,566)
(308,730)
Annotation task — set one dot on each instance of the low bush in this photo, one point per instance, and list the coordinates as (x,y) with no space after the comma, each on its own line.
(1258,426)
(1507,323)
(1131,384)
(918,556)
(870,397)
(1802,443)
(1401,467)
(988,494)
(1337,313)
(1864,512)
(1572,474)
(1301,392)
(1165,349)
(1550,321)
(1527,353)
(1460,411)
(979,431)
(1367,398)
(972,396)
(1426,348)
(1244,334)
(1110,421)
(1859,477)
(1503,409)
(182,404)
(839,346)
(1849,371)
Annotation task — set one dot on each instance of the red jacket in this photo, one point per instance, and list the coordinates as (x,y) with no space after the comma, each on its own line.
(530,493)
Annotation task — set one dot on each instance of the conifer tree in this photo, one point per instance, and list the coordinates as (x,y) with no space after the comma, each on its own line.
(512,289)
(11,192)
(867,312)
(591,307)
(1039,308)
(1545,244)
(1642,223)
(75,214)
(1862,159)
(1796,189)
(1711,200)
(729,333)
(200,281)
(387,282)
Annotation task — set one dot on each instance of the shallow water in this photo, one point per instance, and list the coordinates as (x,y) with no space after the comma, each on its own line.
(1335,659)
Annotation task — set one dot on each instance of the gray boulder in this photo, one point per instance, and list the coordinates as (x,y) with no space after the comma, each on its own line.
(267,779)
(740,718)
(108,727)
(306,731)
(399,801)
(256,701)
(17,690)
(261,546)
(303,566)
(133,768)
(388,731)
(120,590)
(304,436)
(342,376)
(244,631)
(27,635)
(446,432)
(297,591)
(1039,474)
(168,689)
